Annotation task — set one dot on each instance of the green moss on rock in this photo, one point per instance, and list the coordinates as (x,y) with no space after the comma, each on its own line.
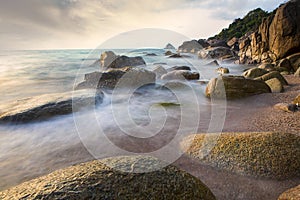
(94,180)
(272,155)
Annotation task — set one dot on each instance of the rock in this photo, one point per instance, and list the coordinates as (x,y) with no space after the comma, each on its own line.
(181,75)
(151,54)
(113,178)
(129,77)
(297,73)
(213,63)
(271,75)
(286,107)
(215,53)
(176,55)
(50,105)
(295,61)
(291,194)
(297,100)
(107,58)
(277,37)
(179,68)
(217,43)
(275,85)
(270,155)
(110,61)
(281,69)
(285,63)
(235,87)
(203,43)
(254,73)
(267,66)
(190,47)
(174,85)
(222,70)
(168,53)
(169,46)
(159,71)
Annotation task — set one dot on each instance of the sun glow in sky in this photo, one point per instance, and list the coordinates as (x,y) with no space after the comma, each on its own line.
(66,24)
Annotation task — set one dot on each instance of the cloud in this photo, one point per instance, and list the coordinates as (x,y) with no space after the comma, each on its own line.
(83,23)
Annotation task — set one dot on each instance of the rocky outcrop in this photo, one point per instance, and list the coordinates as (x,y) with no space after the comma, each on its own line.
(235,87)
(277,37)
(50,105)
(128,77)
(271,155)
(190,47)
(181,75)
(114,178)
(109,60)
(291,194)
(215,53)
(169,46)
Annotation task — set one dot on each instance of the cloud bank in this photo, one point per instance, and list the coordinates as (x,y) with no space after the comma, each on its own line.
(50,24)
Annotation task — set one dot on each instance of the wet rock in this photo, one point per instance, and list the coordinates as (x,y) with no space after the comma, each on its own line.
(190,47)
(270,155)
(213,63)
(168,53)
(151,54)
(275,85)
(235,87)
(297,73)
(181,75)
(50,105)
(159,71)
(124,77)
(222,70)
(114,178)
(111,61)
(285,63)
(295,61)
(176,55)
(215,53)
(267,66)
(169,46)
(179,68)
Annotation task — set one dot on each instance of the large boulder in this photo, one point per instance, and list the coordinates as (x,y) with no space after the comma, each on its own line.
(267,66)
(277,37)
(128,76)
(190,47)
(215,53)
(271,75)
(128,177)
(109,60)
(159,71)
(181,75)
(275,85)
(271,155)
(254,73)
(291,194)
(50,105)
(234,87)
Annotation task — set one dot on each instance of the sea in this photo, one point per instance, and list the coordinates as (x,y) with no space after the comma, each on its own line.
(34,149)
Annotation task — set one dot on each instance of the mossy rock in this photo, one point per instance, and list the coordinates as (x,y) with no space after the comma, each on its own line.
(95,180)
(271,155)
(167,104)
(291,194)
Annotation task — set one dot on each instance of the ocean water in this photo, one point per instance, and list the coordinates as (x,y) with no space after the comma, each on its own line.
(31,150)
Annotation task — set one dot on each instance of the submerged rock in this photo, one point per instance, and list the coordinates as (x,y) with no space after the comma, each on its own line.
(235,87)
(159,71)
(114,178)
(49,105)
(271,155)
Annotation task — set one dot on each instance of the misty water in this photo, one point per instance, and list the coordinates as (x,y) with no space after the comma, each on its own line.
(30,150)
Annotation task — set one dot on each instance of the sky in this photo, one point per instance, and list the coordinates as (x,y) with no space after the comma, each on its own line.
(68,24)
